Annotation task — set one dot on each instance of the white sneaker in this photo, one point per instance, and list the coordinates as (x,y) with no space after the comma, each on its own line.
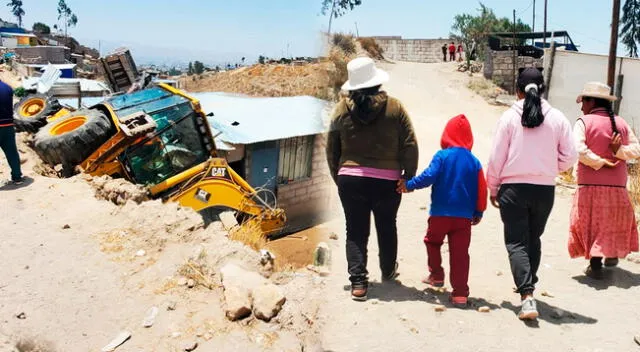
(528,310)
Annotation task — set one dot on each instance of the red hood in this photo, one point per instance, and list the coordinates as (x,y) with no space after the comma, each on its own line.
(457,133)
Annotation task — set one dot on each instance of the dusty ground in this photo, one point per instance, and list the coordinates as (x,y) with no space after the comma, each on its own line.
(270,80)
(582,315)
(76,270)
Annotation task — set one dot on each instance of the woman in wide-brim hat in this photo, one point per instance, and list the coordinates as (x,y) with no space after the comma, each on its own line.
(603,223)
(370,146)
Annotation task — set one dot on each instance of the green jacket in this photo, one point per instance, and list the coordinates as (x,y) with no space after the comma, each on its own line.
(383,138)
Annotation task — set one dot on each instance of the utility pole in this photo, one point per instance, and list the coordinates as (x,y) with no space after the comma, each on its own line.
(544,37)
(357,32)
(613,44)
(533,26)
(515,53)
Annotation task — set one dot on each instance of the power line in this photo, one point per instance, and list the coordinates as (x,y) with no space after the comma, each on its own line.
(525,10)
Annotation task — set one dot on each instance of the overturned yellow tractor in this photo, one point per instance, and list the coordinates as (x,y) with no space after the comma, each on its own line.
(158,137)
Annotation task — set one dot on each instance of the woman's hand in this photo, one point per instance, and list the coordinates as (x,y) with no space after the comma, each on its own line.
(494,202)
(402,187)
(476,220)
(609,164)
(616,142)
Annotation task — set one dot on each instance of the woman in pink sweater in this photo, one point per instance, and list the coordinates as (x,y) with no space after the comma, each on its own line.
(533,143)
(603,223)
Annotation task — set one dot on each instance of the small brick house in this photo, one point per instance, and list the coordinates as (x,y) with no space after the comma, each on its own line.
(278,146)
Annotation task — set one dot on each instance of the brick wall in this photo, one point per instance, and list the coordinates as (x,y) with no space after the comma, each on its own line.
(412,50)
(499,67)
(307,202)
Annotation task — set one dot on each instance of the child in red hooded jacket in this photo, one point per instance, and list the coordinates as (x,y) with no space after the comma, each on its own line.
(458,200)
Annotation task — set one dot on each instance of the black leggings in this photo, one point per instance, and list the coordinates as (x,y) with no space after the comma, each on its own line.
(524,209)
(360,196)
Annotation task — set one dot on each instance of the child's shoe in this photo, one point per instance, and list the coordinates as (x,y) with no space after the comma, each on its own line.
(433,282)
(460,302)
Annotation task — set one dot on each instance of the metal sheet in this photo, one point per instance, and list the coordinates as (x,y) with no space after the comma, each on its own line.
(247,120)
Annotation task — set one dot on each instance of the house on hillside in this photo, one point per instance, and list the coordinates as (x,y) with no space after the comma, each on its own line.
(12,40)
(277,145)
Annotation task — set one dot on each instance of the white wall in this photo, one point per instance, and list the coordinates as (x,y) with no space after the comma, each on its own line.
(571,70)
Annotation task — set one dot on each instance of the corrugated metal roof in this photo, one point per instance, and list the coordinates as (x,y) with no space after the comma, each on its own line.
(247,120)
(86,85)
(10,34)
(58,66)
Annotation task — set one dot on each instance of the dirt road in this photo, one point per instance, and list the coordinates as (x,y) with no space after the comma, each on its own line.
(582,315)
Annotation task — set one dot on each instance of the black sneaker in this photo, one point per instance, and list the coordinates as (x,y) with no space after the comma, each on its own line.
(394,274)
(17,181)
(594,273)
(611,262)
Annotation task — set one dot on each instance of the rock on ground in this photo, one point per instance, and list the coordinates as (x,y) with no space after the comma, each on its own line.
(267,301)
(247,291)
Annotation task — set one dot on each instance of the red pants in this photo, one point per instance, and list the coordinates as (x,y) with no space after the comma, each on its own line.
(458,231)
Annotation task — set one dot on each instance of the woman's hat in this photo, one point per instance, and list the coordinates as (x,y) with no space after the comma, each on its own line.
(596,90)
(363,73)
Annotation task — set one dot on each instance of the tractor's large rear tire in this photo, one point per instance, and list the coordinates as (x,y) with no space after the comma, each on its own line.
(70,139)
(31,112)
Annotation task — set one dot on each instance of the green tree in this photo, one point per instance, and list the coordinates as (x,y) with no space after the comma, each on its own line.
(17,10)
(174,72)
(261,59)
(41,28)
(468,28)
(337,8)
(198,67)
(190,70)
(69,19)
(630,31)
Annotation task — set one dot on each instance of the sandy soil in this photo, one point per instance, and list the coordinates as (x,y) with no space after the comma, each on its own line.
(582,315)
(72,274)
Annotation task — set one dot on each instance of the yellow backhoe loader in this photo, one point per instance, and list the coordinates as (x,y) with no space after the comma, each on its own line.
(158,137)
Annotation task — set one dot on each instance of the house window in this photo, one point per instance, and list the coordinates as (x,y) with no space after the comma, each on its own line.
(294,163)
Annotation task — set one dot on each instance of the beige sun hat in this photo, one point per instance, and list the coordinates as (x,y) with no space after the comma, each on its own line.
(363,73)
(596,90)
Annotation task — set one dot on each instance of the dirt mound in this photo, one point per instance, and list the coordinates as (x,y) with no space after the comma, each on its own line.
(117,190)
(270,80)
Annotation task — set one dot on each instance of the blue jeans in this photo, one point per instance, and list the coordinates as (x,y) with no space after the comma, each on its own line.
(10,149)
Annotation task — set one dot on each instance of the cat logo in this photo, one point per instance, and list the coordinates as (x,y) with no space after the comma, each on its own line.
(219,172)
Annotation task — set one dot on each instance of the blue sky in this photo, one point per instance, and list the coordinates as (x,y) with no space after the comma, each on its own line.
(223,31)
(210,31)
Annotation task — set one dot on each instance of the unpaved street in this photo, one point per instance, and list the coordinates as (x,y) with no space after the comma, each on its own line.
(582,315)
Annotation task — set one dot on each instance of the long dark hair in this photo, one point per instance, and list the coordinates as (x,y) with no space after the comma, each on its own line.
(363,98)
(603,103)
(531,83)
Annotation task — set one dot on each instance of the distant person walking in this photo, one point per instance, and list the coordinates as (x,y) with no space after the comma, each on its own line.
(460,52)
(603,223)
(452,51)
(371,145)
(533,144)
(8,133)
(444,52)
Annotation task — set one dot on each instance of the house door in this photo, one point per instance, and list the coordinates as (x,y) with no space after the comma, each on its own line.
(263,172)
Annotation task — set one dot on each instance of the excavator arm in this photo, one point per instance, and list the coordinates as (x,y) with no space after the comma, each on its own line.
(215,184)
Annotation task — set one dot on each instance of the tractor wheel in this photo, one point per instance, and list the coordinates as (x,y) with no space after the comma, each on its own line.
(70,139)
(31,112)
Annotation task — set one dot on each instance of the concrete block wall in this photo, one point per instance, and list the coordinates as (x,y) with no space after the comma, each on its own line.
(412,50)
(307,202)
(44,54)
(499,67)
